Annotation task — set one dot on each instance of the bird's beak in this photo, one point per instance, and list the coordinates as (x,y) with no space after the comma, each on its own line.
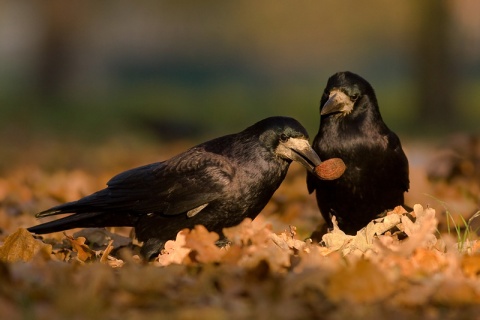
(298,149)
(337,102)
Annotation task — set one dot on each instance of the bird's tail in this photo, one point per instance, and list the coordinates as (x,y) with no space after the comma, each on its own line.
(81,217)
(82,220)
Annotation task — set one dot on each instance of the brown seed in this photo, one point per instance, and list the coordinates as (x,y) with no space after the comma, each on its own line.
(330,169)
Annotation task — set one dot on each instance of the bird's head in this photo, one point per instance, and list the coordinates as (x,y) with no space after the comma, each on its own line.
(288,139)
(347,94)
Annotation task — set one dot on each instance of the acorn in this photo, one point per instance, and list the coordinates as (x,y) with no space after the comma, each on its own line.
(330,169)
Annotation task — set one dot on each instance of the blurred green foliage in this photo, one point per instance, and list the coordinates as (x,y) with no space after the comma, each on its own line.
(90,70)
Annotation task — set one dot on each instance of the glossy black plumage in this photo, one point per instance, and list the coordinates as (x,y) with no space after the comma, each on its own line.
(351,128)
(217,184)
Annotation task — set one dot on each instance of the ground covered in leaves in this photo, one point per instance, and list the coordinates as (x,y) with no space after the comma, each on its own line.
(398,266)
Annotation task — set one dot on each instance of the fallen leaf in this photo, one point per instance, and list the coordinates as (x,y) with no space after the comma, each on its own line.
(287,240)
(276,258)
(100,237)
(174,251)
(84,253)
(414,295)
(471,265)
(380,226)
(421,233)
(202,243)
(240,234)
(22,246)
(336,239)
(456,293)
(106,252)
(428,261)
(363,282)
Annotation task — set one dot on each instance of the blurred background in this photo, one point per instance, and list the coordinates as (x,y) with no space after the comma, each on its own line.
(135,76)
(189,68)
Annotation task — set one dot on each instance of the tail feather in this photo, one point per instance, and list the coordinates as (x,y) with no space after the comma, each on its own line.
(84,220)
(96,202)
(70,222)
(69,207)
(49,212)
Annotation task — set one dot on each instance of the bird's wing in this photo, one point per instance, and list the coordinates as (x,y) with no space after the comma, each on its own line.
(183,184)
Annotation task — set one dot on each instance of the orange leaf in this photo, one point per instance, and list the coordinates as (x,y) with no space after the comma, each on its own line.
(240,234)
(22,246)
(106,252)
(361,283)
(456,293)
(83,251)
(471,265)
(202,242)
(174,251)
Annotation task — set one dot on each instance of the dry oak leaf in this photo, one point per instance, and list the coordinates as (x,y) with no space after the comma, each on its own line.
(252,245)
(106,252)
(240,234)
(471,265)
(421,233)
(202,242)
(100,238)
(22,246)
(174,251)
(314,257)
(363,282)
(83,251)
(456,293)
(248,233)
(277,258)
(287,240)
(428,261)
(412,294)
(364,238)
(381,225)
(336,239)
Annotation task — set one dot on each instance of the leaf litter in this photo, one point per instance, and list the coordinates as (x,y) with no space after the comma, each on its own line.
(398,265)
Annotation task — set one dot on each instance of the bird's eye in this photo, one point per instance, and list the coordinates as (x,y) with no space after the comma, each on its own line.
(283,137)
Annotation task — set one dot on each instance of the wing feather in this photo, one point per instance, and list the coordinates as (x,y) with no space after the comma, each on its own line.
(175,186)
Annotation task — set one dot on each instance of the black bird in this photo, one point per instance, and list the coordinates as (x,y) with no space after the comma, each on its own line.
(216,184)
(352,129)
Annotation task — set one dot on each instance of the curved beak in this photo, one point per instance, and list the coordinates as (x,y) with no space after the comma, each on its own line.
(299,150)
(337,102)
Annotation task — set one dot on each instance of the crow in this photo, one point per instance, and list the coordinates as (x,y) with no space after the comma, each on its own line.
(352,129)
(216,184)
